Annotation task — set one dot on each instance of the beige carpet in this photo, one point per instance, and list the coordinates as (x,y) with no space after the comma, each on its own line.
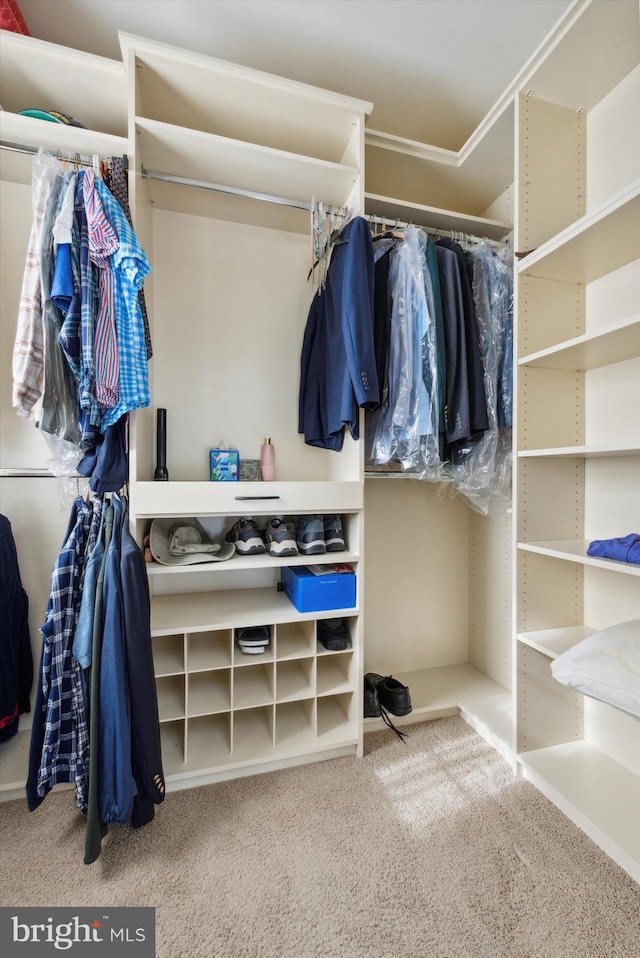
(426,850)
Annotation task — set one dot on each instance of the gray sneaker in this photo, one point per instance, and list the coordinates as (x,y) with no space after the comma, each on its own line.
(247,537)
(333,535)
(310,535)
(281,537)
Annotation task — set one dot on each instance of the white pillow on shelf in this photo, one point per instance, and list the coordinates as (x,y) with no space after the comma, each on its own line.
(605,666)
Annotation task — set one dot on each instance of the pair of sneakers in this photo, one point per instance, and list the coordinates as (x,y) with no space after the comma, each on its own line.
(278,537)
(310,535)
(317,535)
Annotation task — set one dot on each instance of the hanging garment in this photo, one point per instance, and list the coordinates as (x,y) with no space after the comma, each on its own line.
(130,267)
(59,734)
(146,750)
(337,366)
(116,786)
(16,660)
(116,178)
(409,414)
(478,420)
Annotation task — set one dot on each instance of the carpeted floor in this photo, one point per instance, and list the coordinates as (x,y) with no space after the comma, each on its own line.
(426,850)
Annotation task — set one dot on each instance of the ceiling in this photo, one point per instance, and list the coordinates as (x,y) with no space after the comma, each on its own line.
(432,68)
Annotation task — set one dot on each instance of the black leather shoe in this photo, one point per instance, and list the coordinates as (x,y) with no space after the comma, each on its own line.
(371,700)
(394,696)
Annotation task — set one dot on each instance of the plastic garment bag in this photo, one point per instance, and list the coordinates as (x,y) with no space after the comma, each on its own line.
(404,428)
(481,468)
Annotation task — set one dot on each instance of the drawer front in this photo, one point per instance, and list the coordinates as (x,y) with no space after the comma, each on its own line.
(156,499)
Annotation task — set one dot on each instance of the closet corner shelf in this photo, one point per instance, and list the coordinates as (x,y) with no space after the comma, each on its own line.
(458,689)
(597,793)
(553,642)
(600,451)
(595,245)
(591,350)
(394,209)
(575,550)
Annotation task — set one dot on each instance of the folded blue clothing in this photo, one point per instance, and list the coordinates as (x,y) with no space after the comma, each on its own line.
(624,549)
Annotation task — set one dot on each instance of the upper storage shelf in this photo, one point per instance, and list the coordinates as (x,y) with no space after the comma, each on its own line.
(201,93)
(39,75)
(206,157)
(598,48)
(428,180)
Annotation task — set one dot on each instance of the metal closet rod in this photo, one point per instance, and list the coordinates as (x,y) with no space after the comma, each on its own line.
(234,191)
(72,156)
(393,224)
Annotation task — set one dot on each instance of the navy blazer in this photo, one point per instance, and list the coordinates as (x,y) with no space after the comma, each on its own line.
(338,366)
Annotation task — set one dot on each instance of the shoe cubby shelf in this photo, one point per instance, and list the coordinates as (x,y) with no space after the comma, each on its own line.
(220,707)
(553,642)
(218,742)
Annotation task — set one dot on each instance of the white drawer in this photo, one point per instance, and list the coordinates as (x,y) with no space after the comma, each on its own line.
(156,499)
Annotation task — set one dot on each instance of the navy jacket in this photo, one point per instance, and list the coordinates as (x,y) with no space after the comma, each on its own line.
(338,366)
(146,752)
(16,660)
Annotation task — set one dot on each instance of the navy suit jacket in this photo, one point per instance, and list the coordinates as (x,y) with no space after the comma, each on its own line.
(338,366)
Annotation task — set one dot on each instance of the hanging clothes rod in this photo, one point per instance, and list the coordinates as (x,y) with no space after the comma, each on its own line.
(388,222)
(71,156)
(232,190)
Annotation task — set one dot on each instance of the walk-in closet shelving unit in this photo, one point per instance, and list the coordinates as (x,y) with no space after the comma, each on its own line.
(446,634)
(578,410)
(36,74)
(230,298)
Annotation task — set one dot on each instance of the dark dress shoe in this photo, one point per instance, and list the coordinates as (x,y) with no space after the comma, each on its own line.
(394,696)
(371,700)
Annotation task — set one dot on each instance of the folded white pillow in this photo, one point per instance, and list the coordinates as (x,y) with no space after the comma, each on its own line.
(605,666)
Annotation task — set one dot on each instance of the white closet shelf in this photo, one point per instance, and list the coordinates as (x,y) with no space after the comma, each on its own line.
(594,791)
(240,563)
(481,170)
(600,451)
(35,74)
(592,350)
(196,612)
(606,34)
(393,209)
(595,245)
(150,500)
(553,642)
(453,690)
(31,132)
(178,86)
(575,550)
(191,154)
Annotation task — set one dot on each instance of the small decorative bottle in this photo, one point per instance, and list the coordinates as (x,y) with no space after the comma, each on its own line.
(267,460)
